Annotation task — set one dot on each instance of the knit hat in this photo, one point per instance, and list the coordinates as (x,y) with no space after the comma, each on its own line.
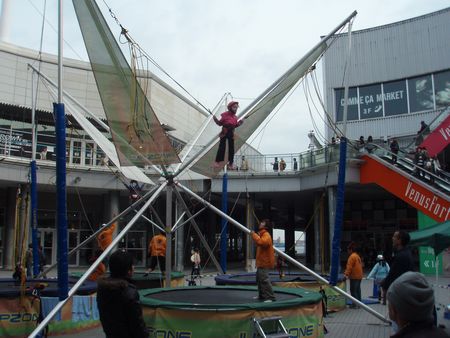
(412,297)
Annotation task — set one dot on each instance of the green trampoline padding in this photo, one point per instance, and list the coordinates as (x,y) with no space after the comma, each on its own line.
(139,275)
(216,298)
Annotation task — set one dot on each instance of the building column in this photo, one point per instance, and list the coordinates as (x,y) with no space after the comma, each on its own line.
(331,216)
(10,221)
(112,207)
(249,244)
(289,233)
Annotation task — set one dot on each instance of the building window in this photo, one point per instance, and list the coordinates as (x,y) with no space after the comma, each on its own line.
(395,98)
(442,89)
(352,112)
(370,101)
(417,94)
(420,94)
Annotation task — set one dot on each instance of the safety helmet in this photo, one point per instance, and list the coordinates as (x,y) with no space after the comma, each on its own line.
(380,257)
(231,104)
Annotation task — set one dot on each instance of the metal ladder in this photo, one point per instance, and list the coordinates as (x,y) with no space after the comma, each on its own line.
(270,327)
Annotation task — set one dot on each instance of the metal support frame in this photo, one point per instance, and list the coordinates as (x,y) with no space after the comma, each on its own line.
(287,257)
(107,225)
(245,111)
(171,187)
(197,230)
(168,233)
(175,228)
(178,222)
(91,269)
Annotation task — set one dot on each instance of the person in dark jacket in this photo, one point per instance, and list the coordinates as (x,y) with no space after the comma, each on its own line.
(394,150)
(403,260)
(118,300)
(411,307)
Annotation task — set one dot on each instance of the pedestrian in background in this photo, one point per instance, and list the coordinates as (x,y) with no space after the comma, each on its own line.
(378,273)
(403,260)
(394,150)
(195,260)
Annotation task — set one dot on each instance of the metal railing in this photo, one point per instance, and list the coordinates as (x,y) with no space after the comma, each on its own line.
(83,152)
(292,162)
(431,126)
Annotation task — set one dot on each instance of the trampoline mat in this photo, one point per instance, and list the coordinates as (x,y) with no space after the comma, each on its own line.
(275,278)
(214,296)
(250,278)
(47,287)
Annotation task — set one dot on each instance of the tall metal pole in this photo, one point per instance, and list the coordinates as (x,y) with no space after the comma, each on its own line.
(340,197)
(33,179)
(61,203)
(168,234)
(224,224)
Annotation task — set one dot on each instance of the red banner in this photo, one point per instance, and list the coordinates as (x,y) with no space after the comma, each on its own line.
(438,139)
(412,191)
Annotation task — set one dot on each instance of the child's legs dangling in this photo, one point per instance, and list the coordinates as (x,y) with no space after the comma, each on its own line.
(221,151)
(230,148)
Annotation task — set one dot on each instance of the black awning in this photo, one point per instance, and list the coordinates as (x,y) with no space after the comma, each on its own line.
(43,117)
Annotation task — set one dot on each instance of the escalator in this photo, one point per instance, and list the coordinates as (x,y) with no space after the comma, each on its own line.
(428,193)
(436,137)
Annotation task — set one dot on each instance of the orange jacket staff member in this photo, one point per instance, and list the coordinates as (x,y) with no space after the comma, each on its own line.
(157,251)
(354,272)
(104,239)
(265,260)
(99,270)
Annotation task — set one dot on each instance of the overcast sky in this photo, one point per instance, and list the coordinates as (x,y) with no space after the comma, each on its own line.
(212,47)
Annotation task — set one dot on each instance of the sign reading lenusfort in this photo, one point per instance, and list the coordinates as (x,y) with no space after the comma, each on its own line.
(395,98)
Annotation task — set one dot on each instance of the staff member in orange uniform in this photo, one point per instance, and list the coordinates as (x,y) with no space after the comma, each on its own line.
(265,260)
(354,272)
(104,239)
(157,251)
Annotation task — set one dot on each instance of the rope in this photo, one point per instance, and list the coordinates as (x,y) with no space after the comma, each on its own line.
(221,233)
(84,210)
(53,27)
(143,53)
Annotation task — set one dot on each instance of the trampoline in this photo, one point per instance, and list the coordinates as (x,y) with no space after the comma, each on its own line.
(335,301)
(19,311)
(142,280)
(228,311)
(47,287)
